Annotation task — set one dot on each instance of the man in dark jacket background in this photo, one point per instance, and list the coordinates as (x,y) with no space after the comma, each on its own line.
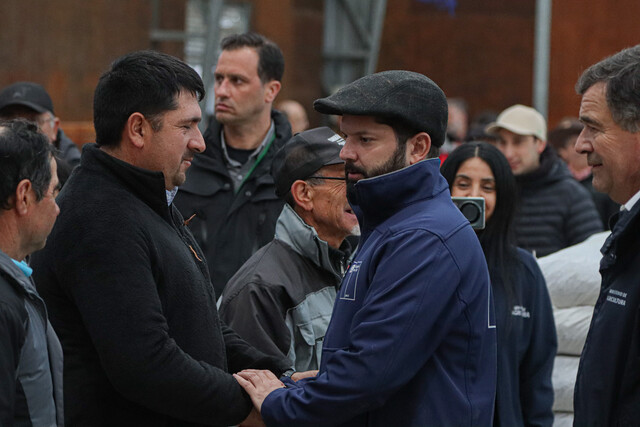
(31,101)
(607,389)
(229,188)
(30,353)
(126,284)
(282,298)
(555,211)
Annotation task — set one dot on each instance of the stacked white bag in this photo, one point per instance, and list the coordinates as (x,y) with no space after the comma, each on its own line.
(573,280)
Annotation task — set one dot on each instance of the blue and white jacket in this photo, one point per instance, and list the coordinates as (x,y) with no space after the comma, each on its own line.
(412,340)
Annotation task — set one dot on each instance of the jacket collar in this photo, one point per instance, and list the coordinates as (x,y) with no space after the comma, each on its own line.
(304,239)
(624,232)
(10,269)
(380,197)
(146,185)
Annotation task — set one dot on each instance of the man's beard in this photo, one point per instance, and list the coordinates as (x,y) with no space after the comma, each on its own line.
(396,162)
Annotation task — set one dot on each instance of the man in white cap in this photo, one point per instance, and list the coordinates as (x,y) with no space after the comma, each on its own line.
(555,210)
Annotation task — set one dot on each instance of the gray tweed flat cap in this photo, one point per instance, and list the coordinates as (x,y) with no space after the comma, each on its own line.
(410,97)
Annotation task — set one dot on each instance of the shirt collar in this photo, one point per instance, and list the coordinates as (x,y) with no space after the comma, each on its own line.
(23,267)
(632,201)
(255,153)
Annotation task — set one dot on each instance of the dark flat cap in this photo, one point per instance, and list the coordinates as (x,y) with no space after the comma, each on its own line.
(410,97)
(303,155)
(28,94)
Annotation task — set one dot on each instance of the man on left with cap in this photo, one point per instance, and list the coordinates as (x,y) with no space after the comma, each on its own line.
(32,102)
(282,298)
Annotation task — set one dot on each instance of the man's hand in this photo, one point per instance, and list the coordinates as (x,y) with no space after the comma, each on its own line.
(297,376)
(258,384)
(253,420)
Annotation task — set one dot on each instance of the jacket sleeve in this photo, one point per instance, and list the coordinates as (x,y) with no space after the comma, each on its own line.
(242,355)
(387,345)
(256,313)
(11,341)
(536,391)
(582,218)
(110,279)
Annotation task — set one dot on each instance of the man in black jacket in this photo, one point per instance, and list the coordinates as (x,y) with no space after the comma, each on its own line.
(607,389)
(282,298)
(126,284)
(230,190)
(555,211)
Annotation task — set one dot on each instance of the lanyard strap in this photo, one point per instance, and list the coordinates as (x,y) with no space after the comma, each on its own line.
(257,162)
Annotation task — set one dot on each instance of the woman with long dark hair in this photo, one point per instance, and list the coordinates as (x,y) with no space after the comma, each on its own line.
(526,332)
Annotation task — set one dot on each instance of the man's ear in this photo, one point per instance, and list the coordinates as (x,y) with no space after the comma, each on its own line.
(271,90)
(302,194)
(418,147)
(24,197)
(137,129)
(540,145)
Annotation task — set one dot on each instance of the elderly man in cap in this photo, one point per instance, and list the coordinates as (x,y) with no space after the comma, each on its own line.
(555,210)
(412,340)
(608,383)
(32,102)
(282,298)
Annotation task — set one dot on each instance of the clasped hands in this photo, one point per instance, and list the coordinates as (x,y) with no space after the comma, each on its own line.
(259,384)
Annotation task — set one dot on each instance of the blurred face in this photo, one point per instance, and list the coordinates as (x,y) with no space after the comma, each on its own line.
(45,212)
(173,146)
(613,153)
(522,151)
(47,122)
(577,162)
(475,179)
(332,216)
(240,95)
(371,149)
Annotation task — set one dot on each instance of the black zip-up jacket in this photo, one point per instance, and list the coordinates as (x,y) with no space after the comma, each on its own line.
(607,389)
(555,210)
(132,303)
(231,226)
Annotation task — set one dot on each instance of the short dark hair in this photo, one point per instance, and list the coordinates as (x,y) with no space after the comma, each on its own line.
(621,73)
(403,132)
(25,153)
(271,60)
(145,82)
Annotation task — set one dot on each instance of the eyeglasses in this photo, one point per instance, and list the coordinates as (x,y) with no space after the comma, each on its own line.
(48,118)
(328,177)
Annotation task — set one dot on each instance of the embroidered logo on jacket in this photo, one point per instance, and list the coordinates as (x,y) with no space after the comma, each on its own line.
(521,311)
(348,290)
(617,297)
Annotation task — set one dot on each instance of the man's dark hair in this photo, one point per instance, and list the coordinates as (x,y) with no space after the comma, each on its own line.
(404,132)
(271,61)
(145,82)
(621,73)
(25,153)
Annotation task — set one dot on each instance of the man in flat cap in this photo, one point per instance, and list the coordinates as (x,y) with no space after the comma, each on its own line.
(281,299)
(412,339)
